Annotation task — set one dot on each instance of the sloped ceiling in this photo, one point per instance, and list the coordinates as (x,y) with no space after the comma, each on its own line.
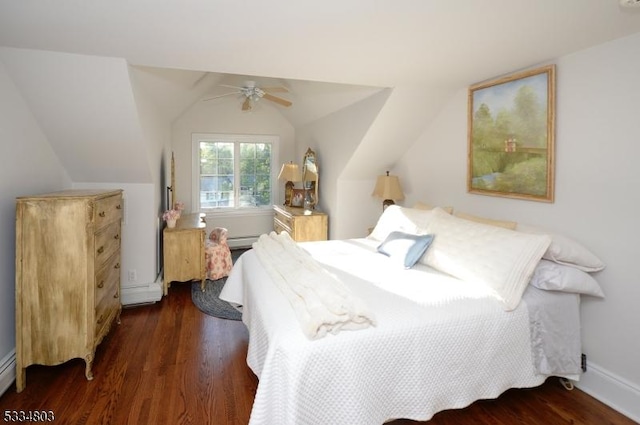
(329,53)
(86,108)
(174,90)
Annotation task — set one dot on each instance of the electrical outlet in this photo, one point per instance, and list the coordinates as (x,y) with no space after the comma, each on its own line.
(583,362)
(133,276)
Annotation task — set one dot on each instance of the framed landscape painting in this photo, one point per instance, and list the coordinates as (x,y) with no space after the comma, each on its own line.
(511,136)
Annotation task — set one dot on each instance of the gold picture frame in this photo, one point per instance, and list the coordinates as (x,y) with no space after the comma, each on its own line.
(297,198)
(511,136)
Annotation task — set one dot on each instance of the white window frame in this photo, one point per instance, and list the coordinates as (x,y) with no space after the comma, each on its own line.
(196,138)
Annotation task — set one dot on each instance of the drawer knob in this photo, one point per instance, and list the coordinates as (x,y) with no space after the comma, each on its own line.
(101,284)
(116,295)
(100,319)
(102,214)
(118,207)
(101,250)
(117,266)
(117,236)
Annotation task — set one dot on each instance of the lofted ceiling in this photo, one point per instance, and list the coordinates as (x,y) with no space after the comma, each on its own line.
(330,54)
(361,42)
(175,90)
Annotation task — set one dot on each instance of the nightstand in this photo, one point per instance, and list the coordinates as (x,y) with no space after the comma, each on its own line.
(302,225)
(183,249)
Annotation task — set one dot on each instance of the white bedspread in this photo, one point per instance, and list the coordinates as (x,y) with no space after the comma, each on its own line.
(439,343)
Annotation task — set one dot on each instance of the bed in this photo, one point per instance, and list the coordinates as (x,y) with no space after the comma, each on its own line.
(431,340)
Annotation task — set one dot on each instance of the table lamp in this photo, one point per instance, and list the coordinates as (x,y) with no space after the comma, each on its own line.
(388,188)
(289,173)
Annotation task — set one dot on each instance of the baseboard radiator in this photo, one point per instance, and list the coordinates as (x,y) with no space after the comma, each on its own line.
(242,242)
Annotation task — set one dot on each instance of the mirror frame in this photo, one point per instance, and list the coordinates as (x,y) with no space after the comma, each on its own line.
(310,185)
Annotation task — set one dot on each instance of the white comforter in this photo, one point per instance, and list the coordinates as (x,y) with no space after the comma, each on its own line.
(439,344)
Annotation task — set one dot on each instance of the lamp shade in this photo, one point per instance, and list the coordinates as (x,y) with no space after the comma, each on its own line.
(289,172)
(388,187)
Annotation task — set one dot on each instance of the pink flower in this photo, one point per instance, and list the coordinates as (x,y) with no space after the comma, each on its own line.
(171,215)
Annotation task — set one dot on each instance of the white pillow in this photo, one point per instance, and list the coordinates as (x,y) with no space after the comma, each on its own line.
(501,259)
(511,225)
(564,250)
(557,277)
(424,206)
(397,218)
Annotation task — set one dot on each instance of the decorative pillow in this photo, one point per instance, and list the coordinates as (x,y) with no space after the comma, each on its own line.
(422,206)
(405,248)
(397,218)
(557,277)
(511,225)
(564,250)
(501,259)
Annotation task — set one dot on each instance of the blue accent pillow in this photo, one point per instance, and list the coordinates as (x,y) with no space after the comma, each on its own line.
(405,247)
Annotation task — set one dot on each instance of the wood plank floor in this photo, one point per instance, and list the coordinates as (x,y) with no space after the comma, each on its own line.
(168,363)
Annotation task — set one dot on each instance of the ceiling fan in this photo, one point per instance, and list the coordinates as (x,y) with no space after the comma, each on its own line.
(253,93)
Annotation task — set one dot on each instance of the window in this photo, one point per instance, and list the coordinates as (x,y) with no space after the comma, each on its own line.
(233,171)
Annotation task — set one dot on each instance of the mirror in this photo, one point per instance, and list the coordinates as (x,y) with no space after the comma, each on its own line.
(171,190)
(310,179)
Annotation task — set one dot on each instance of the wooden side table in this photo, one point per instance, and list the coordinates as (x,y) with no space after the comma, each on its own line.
(183,251)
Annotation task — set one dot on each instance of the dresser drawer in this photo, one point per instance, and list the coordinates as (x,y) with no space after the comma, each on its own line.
(108,210)
(108,279)
(284,219)
(107,241)
(279,227)
(106,313)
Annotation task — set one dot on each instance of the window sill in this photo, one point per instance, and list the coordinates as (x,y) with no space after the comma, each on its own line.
(238,212)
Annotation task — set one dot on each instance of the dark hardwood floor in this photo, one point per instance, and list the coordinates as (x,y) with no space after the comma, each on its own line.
(168,363)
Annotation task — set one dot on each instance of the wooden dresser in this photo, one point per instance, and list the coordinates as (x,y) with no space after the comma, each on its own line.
(183,251)
(301,225)
(67,276)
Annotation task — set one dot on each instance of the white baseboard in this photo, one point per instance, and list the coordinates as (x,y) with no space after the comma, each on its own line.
(143,294)
(7,371)
(244,242)
(611,389)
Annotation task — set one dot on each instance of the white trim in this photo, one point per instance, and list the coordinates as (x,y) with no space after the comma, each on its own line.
(247,212)
(7,371)
(611,389)
(142,294)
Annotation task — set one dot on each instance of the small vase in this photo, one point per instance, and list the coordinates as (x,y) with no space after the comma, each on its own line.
(171,223)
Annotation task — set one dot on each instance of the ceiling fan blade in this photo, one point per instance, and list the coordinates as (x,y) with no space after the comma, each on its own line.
(246,105)
(221,95)
(281,101)
(278,89)
(231,87)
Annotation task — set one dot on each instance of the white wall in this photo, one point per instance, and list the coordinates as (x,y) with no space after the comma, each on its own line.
(597,198)
(225,116)
(335,138)
(29,167)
